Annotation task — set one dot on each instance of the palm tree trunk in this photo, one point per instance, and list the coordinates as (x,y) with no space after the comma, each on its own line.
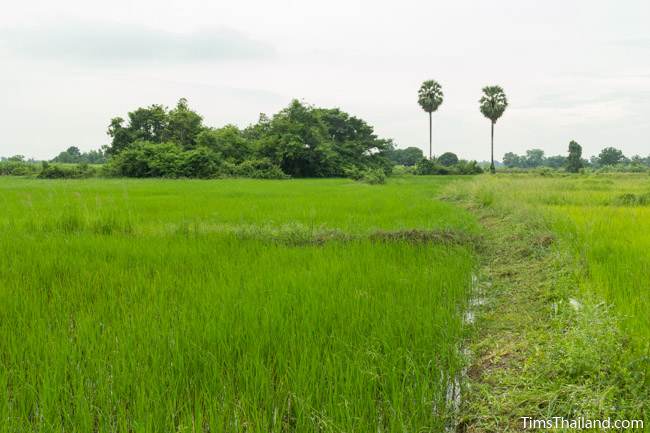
(430,135)
(492,169)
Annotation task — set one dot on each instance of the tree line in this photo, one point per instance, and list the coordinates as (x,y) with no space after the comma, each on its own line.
(608,158)
(299,141)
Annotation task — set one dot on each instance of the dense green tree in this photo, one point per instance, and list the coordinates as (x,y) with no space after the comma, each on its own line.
(300,140)
(493,104)
(512,160)
(297,141)
(534,158)
(121,136)
(201,162)
(183,125)
(448,159)
(574,161)
(149,124)
(610,156)
(430,97)
(354,141)
(145,124)
(73,155)
(556,161)
(228,141)
(408,157)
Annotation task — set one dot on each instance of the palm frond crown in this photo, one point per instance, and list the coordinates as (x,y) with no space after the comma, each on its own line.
(430,96)
(493,102)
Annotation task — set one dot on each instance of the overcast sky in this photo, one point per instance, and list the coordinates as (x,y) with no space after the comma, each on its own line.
(572,69)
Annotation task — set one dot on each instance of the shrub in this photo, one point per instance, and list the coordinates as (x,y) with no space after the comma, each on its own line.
(429,167)
(261,168)
(467,167)
(353,172)
(146,159)
(373,176)
(14,167)
(55,171)
(201,163)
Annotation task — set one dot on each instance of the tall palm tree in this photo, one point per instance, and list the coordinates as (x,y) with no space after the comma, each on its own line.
(430,97)
(493,104)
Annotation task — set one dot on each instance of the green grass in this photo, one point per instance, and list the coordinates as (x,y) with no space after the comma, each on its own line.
(232,305)
(605,220)
(565,328)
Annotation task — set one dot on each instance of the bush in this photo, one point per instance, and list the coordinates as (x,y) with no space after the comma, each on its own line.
(400,170)
(373,176)
(261,168)
(54,171)
(353,172)
(467,167)
(429,167)
(16,168)
(146,159)
(202,163)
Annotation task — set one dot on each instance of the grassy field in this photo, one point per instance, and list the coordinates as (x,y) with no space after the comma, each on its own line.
(231,305)
(605,219)
(563,329)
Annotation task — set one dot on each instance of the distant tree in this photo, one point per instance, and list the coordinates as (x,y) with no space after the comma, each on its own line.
(574,161)
(512,160)
(315,142)
(448,159)
(183,125)
(534,158)
(149,124)
(73,155)
(610,156)
(300,141)
(120,135)
(555,161)
(493,103)
(408,157)
(145,124)
(430,97)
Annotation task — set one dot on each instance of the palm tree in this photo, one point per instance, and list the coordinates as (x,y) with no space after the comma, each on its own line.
(493,104)
(430,97)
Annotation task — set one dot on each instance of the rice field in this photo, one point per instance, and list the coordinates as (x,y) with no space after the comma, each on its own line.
(230,305)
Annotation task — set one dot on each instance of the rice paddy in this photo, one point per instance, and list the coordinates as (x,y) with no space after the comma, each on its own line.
(230,305)
(312,305)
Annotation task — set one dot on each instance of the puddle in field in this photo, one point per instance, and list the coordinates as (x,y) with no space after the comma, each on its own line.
(454,386)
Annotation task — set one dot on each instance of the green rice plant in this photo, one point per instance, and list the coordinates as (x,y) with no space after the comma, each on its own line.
(229,306)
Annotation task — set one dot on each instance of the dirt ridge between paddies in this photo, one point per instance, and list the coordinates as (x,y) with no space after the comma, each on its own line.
(537,348)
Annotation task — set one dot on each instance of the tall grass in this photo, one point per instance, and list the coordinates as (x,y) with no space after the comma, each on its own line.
(140,306)
(605,219)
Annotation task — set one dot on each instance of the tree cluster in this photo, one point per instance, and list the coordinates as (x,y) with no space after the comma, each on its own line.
(408,157)
(299,141)
(609,158)
(72,155)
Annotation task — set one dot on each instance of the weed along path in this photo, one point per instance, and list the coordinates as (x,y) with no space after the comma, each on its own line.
(549,341)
